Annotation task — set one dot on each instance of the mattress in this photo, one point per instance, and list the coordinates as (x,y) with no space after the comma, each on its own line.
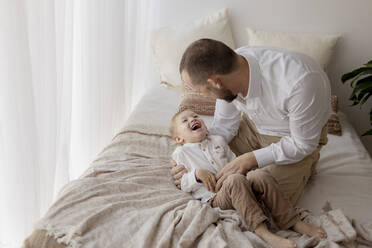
(127,198)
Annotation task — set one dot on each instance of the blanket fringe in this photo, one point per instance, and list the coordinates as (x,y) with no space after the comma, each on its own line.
(62,236)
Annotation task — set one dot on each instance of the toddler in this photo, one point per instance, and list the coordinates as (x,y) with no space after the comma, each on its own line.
(205,155)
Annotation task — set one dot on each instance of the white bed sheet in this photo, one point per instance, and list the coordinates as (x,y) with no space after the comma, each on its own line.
(344,172)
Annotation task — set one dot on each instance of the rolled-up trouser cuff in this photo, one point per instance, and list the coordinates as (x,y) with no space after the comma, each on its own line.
(290,223)
(257,221)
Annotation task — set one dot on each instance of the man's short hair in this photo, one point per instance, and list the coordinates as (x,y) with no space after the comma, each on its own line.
(206,57)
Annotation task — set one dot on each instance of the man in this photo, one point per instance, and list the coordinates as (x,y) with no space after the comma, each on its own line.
(272,106)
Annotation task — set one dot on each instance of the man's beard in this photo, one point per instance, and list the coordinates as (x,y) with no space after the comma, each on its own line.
(223,94)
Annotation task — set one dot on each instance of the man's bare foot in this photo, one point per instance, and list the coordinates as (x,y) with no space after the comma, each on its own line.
(273,239)
(309,229)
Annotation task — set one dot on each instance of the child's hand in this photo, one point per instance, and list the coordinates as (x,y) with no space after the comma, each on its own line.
(207,177)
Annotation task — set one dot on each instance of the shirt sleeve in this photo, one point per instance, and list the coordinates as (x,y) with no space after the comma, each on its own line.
(188,180)
(226,120)
(189,183)
(309,109)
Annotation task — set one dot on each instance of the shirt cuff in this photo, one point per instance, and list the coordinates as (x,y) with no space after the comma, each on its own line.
(193,177)
(264,156)
(188,179)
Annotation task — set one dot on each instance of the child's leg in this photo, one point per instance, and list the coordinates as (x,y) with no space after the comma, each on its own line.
(236,193)
(273,239)
(309,229)
(265,186)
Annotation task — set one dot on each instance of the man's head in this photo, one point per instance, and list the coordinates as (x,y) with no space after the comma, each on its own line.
(205,66)
(187,127)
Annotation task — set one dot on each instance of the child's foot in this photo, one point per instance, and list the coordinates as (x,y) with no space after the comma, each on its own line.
(309,229)
(273,239)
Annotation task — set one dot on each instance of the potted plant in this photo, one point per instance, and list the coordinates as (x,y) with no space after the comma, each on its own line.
(361,81)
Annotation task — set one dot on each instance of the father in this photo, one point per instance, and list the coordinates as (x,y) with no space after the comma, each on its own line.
(272,107)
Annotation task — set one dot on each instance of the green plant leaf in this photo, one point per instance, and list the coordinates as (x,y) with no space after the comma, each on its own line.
(369,132)
(354,99)
(365,79)
(362,101)
(355,73)
(362,87)
(363,84)
(361,95)
(356,79)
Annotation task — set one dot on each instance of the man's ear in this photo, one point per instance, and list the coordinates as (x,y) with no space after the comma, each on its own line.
(214,81)
(178,140)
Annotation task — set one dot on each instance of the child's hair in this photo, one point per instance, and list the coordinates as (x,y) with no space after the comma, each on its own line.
(173,128)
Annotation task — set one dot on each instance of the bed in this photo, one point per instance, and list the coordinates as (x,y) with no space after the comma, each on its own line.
(127,198)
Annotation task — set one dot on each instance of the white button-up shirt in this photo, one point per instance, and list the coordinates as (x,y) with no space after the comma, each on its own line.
(211,154)
(288,96)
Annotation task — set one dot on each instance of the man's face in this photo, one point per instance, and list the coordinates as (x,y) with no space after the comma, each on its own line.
(207,89)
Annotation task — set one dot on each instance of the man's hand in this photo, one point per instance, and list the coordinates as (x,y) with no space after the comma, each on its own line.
(177,172)
(207,177)
(241,164)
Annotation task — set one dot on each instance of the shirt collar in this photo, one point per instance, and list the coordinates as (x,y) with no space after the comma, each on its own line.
(198,144)
(255,79)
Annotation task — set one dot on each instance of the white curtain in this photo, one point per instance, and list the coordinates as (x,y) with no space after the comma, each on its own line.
(70,73)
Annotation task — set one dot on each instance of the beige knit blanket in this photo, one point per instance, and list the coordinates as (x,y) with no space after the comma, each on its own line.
(127,198)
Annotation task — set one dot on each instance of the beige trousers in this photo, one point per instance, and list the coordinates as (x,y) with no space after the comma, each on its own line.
(291,178)
(243,194)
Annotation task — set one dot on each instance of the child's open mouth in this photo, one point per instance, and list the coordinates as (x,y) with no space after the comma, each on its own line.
(195,126)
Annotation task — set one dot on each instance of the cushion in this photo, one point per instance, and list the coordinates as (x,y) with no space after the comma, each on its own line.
(169,43)
(319,47)
(196,102)
(333,124)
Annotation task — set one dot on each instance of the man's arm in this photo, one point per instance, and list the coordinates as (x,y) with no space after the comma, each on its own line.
(240,165)
(309,109)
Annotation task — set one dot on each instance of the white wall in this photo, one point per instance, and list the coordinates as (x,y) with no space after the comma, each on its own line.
(350,19)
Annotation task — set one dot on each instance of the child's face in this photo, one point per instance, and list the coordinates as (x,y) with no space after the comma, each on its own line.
(190,128)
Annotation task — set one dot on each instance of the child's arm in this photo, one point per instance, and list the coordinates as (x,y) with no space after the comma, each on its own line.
(207,177)
(188,181)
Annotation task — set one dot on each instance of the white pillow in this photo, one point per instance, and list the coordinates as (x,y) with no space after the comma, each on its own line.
(319,47)
(169,43)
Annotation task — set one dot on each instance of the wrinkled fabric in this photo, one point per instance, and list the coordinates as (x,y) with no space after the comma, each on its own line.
(127,198)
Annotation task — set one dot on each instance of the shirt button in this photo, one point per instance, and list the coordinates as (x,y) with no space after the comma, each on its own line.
(199,145)
(203,150)
(212,162)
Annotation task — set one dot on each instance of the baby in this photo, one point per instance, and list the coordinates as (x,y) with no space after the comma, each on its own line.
(205,155)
